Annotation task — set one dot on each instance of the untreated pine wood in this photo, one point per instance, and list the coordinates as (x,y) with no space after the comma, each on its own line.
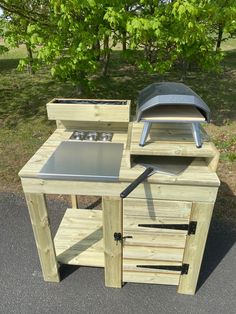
(79,239)
(112,222)
(43,238)
(74,201)
(151,278)
(156,208)
(145,190)
(195,245)
(90,112)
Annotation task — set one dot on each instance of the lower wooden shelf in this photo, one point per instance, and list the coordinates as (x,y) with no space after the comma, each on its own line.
(79,239)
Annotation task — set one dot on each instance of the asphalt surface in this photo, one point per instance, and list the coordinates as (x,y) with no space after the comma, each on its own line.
(82,289)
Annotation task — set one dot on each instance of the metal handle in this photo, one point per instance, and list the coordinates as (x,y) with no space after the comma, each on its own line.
(136,182)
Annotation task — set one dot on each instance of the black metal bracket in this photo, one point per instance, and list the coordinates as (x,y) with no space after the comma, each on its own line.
(183,269)
(191,227)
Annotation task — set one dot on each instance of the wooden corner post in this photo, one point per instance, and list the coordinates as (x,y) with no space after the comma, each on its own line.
(112,223)
(195,245)
(42,234)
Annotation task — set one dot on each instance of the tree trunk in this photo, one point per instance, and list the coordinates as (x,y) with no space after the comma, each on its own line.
(220,35)
(30,58)
(106,56)
(124,40)
(97,49)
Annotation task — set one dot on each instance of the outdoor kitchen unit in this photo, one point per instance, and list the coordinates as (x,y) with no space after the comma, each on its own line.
(157,197)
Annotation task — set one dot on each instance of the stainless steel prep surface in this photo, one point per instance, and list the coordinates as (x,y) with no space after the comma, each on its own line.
(84,161)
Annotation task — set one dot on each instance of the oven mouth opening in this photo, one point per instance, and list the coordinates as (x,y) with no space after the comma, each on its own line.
(173,112)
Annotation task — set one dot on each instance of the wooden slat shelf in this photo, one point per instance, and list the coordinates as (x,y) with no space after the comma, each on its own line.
(79,239)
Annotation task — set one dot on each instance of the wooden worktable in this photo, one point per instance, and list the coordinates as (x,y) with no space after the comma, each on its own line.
(196,189)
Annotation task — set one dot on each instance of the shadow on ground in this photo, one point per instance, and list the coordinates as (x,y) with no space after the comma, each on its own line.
(222,233)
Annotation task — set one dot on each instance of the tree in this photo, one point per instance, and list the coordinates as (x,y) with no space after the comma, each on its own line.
(75,38)
(171,32)
(17,17)
(222,17)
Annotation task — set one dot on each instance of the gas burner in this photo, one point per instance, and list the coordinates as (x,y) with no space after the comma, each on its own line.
(91,136)
(105,136)
(78,135)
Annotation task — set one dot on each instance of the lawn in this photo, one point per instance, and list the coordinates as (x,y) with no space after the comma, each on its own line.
(24,125)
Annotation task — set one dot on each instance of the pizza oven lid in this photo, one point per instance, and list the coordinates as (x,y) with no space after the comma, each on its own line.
(169,93)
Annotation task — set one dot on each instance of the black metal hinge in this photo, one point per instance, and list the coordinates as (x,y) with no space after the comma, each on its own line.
(191,227)
(183,269)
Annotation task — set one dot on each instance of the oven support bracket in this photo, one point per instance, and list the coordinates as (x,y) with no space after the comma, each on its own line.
(196,131)
(146,129)
(197,134)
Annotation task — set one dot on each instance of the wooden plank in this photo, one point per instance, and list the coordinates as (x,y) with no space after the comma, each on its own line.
(197,173)
(167,148)
(144,190)
(89,112)
(160,132)
(213,162)
(151,278)
(195,245)
(193,175)
(153,253)
(79,239)
(112,222)
(153,208)
(173,113)
(169,142)
(74,201)
(93,125)
(42,234)
(127,148)
(154,239)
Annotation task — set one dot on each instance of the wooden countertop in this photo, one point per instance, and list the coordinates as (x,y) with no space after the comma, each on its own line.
(198,173)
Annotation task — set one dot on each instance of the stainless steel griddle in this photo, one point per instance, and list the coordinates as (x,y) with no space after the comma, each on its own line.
(84,161)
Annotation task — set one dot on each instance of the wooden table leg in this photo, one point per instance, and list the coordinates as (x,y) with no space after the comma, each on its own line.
(112,222)
(74,201)
(195,245)
(41,227)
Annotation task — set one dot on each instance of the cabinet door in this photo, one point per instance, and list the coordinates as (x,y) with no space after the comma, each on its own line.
(154,240)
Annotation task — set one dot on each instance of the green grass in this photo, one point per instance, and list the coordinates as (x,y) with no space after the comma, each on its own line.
(23,121)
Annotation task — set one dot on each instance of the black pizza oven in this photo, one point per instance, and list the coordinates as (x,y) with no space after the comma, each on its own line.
(171,103)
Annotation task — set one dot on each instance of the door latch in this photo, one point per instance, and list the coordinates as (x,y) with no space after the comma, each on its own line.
(118,237)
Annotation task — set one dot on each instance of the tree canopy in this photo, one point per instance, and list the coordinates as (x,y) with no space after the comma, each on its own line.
(75,38)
